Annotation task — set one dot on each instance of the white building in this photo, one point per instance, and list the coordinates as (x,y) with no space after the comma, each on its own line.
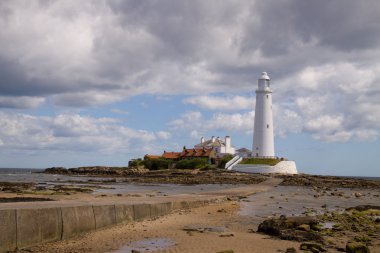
(218,145)
(243,152)
(263,141)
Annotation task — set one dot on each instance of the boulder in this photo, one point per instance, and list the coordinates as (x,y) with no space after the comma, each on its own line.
(292,228)
(356,247)
(299,235)
(291,250)
(313,247)
(304,227)
(273,226)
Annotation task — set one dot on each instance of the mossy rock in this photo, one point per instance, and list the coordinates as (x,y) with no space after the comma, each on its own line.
(291,250)
(356,247)
(304,227)
(313,247)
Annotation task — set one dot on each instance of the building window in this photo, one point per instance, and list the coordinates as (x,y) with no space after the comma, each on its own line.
(267,96)
(267,125)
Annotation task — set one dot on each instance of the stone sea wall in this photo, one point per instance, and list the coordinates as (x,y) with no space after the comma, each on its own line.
(21,228)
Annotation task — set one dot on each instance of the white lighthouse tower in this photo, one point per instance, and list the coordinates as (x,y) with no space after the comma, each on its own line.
(263,141)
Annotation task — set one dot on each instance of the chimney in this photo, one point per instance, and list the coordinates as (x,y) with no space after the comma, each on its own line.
(202,139)
(213,139)
(228,142)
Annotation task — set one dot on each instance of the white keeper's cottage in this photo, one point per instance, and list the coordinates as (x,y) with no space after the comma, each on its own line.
(217,144)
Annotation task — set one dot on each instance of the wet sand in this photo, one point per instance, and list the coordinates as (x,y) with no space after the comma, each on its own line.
(236,235)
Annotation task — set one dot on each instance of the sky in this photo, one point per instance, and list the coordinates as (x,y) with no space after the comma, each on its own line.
(100,82)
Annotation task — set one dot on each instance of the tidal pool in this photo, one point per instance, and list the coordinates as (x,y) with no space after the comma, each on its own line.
(151,245)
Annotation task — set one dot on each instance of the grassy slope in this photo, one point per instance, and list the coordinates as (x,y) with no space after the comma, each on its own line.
(266,161)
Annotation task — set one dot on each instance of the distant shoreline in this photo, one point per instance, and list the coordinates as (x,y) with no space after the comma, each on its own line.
(34,170)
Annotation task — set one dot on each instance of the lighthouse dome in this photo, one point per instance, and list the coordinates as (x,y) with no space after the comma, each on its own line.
(264,75)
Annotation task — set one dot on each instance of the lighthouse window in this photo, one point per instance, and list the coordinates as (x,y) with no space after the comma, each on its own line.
(267,96)
(267,125)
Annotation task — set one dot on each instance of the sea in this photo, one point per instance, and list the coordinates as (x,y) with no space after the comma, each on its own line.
(118,187)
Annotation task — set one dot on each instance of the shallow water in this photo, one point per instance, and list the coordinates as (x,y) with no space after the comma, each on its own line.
(109,188)
(296,201)
(162,189)
(151,245)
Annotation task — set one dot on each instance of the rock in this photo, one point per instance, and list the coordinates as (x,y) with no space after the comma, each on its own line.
(226,235)
(313,247)
(288,228)
(304,227)
(356,247)
(291,250)
(56,170)
(226,251)
(361,208)
(299,235)
(358,194)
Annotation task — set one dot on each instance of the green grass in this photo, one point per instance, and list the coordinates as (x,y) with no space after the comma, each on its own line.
(266,161)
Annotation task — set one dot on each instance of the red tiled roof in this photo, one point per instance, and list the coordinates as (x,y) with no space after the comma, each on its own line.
(187,153)
(171,155)
(152,156)
(196,152)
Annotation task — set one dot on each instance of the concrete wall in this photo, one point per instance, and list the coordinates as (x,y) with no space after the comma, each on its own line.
(283,167)
(38,226)
(21,228)
(8,230)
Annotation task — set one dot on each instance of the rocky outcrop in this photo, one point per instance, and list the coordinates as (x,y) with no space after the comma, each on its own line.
(328,181)
(362,208)
(98,170)
(56,170)
(16,187)
(292,228)
(90,170)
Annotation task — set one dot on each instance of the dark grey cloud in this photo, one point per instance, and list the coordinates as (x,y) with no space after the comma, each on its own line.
(346,26)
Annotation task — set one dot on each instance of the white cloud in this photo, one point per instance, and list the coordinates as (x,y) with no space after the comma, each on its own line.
(187,120)
(231,103)
(163,135)
(219,121)
(326,123)
(194,134)
(336,102)
(72,133)
(286,121)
